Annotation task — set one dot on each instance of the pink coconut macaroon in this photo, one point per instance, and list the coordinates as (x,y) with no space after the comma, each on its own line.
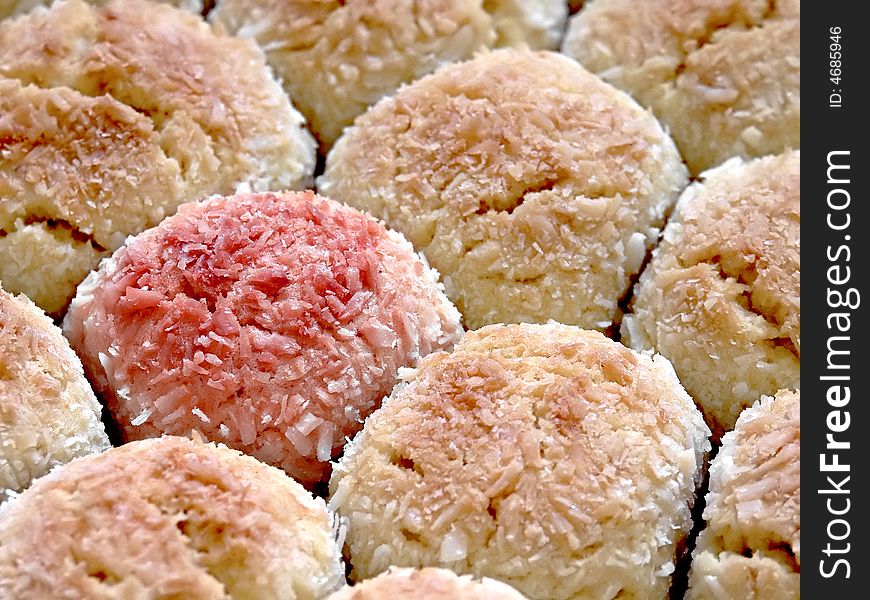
(274,323)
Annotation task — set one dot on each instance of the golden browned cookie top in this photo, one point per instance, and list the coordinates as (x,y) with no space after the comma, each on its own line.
(338,58)
(112,116)
(722,75)
(545,456)
(168,517)
(533,187)
(48,412)
(721,296)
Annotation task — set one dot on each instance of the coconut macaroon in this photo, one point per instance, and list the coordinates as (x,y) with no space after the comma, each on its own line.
(751,545)
(427,584)
(111,117)
(48,412)
(531,185)
(536,24)
(545,456)
(12,8)
(338,58)
(721,296)
(722,75)
(273,323)
(168,517)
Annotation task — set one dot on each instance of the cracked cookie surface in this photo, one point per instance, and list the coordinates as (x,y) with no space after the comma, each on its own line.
(168,517)
(750,547)
(338,58)
(112,116)
(721,296)
(13,8)
(545,456)
(531,185)
(48,412)
(722,75)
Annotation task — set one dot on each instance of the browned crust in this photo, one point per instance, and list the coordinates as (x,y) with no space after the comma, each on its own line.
(721,297)
(531,185)
(163,517)
(544,456)
(751,544)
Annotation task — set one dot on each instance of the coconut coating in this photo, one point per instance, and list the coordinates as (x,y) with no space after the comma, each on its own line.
(721,296)
(112,116)
(12,8)
(722,75)
(77,175)
(544,456)
(338,58)
(273,323)
(531,185)
(48,412)
(168,518)
(751,546)
(427,584)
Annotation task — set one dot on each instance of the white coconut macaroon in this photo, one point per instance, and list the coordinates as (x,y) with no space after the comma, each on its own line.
(722,75)
(112,116)
(48,412)
(721,295)
(168,517)
(751,546)
(534,187)
(338,58)
(544,456)
(429,583)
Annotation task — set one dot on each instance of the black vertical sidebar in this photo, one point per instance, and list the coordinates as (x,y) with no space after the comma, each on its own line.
(835,266)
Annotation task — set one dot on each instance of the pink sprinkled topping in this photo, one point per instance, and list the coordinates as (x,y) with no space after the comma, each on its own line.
(286,306)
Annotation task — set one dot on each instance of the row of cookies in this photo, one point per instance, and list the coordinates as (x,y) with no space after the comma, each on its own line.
(203,127)
(518,175)
(544,456)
